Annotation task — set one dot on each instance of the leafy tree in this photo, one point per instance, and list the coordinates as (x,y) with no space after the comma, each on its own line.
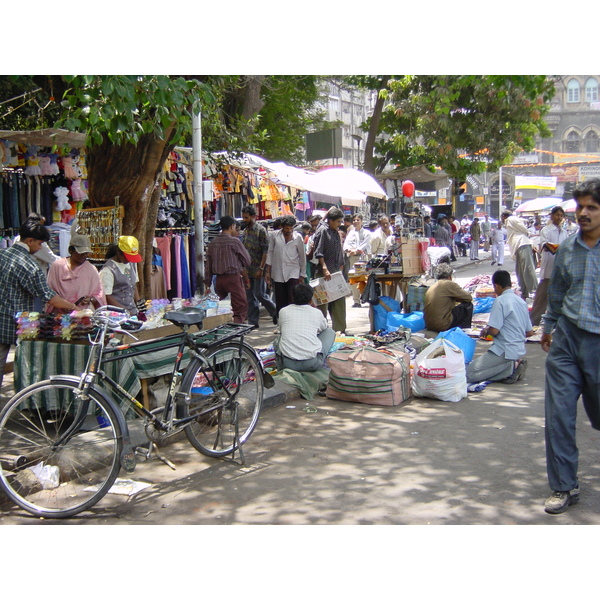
(464,124)
(133,122)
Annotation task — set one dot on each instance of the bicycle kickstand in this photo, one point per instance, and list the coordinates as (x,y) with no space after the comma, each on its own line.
(236,438)
(148,454)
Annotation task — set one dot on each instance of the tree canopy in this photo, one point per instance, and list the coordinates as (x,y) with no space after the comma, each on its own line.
(464,124)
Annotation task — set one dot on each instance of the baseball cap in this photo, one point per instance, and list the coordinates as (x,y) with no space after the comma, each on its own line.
(81,243)
(129,246)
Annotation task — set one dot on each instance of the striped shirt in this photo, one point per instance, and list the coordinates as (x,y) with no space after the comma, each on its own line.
(574,286)
(21,280)
(256,241)
(225,255)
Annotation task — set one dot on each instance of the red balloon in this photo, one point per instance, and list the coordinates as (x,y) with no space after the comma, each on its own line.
(408,188)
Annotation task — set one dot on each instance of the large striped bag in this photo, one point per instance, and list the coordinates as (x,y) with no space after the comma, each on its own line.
(369,375)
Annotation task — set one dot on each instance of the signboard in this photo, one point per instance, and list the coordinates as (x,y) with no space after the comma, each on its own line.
(563,174)
(528,182)
(526,158)
(324,144)
(479,200)
(589,171)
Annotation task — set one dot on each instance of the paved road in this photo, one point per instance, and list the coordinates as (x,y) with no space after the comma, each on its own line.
(478,461)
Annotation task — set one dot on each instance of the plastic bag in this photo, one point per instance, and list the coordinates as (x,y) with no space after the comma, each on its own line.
(459,338)
(482,305)
(440,373)
(380,311)
(414,321)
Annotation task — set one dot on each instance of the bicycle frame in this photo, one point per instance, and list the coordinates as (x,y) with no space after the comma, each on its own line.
(197,344)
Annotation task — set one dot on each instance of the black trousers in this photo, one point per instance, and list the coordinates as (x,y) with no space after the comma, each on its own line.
(462,314)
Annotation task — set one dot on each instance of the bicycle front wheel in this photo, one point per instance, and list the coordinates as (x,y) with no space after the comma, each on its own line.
(59,453)
(226,397)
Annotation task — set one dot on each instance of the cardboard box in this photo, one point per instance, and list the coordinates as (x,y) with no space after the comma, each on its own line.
(328,291)
(411,266)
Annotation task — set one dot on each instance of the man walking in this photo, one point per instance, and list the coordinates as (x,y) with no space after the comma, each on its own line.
(497,237)
(256,242)
(486,230)
(475,231)
(521,251)
(227,258)
(572,339)
(551,236)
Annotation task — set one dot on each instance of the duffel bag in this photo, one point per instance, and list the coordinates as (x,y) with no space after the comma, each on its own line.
(368,375)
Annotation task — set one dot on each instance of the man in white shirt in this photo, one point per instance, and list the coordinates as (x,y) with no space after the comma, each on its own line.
(521,252)
(357,246)
(551,236)
(379,239)
(305,338)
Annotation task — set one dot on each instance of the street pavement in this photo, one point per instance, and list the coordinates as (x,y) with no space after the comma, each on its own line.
(479,461)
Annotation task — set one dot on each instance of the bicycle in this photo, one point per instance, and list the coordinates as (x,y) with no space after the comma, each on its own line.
(64,440)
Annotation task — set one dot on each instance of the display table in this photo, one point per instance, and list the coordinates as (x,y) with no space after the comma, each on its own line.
(36,360)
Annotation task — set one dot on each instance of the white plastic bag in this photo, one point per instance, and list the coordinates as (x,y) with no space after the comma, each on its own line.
(47,475)
(439,372)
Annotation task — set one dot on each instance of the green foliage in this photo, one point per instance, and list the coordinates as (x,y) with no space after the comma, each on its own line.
(462,123)
(122,108)
(288,114)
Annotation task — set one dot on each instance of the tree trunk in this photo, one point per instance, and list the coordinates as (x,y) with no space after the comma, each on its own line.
(374,128)
(134,174)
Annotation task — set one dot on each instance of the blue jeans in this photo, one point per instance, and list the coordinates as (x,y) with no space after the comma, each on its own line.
(572,370)
(257,295)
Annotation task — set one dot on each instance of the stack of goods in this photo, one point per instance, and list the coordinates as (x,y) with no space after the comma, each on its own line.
(76,325)
(28,325)
(155,309)
(267,359)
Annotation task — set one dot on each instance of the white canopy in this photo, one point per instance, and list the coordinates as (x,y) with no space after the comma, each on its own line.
(538,204)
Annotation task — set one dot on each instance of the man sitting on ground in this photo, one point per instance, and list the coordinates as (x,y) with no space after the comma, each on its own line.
(447,305)
(305,337)
(509,325)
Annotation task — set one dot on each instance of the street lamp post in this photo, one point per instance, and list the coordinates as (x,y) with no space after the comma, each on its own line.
(358,140)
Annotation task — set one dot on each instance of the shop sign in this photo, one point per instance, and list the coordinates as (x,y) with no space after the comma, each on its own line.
(563,174)
(525,182)
(589,171)
(527,158)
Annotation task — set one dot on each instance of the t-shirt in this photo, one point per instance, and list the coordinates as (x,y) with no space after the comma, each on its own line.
(299,326)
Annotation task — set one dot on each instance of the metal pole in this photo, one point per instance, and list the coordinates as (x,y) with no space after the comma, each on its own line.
(500,193)
(198,200)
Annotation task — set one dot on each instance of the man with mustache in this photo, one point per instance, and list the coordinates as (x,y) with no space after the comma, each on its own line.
(572,339)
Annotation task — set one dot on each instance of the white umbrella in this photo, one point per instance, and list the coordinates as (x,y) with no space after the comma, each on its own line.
(352,178)
(538,204)
(569,206)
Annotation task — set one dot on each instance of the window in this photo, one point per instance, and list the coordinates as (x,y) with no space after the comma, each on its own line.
(573,91)
(334,104)
(591,141)
(591,90)
(572,142)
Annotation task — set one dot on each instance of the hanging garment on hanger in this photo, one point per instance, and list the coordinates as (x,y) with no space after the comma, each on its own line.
(186,290)
(164,247)
(177,250)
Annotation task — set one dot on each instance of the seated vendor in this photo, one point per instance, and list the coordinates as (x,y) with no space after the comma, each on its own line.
(305,338)
(119,276)
(447,305)
(74,278)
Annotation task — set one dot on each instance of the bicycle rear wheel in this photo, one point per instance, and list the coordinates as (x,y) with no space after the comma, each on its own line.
(59,454)
(213,431)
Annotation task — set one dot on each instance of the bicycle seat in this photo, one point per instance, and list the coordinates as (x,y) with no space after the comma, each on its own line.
(190,315)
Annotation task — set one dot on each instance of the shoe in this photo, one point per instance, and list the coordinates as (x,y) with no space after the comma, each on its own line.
(493,263)
(322,391)
(357,305)
(560,501)
(518,373)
